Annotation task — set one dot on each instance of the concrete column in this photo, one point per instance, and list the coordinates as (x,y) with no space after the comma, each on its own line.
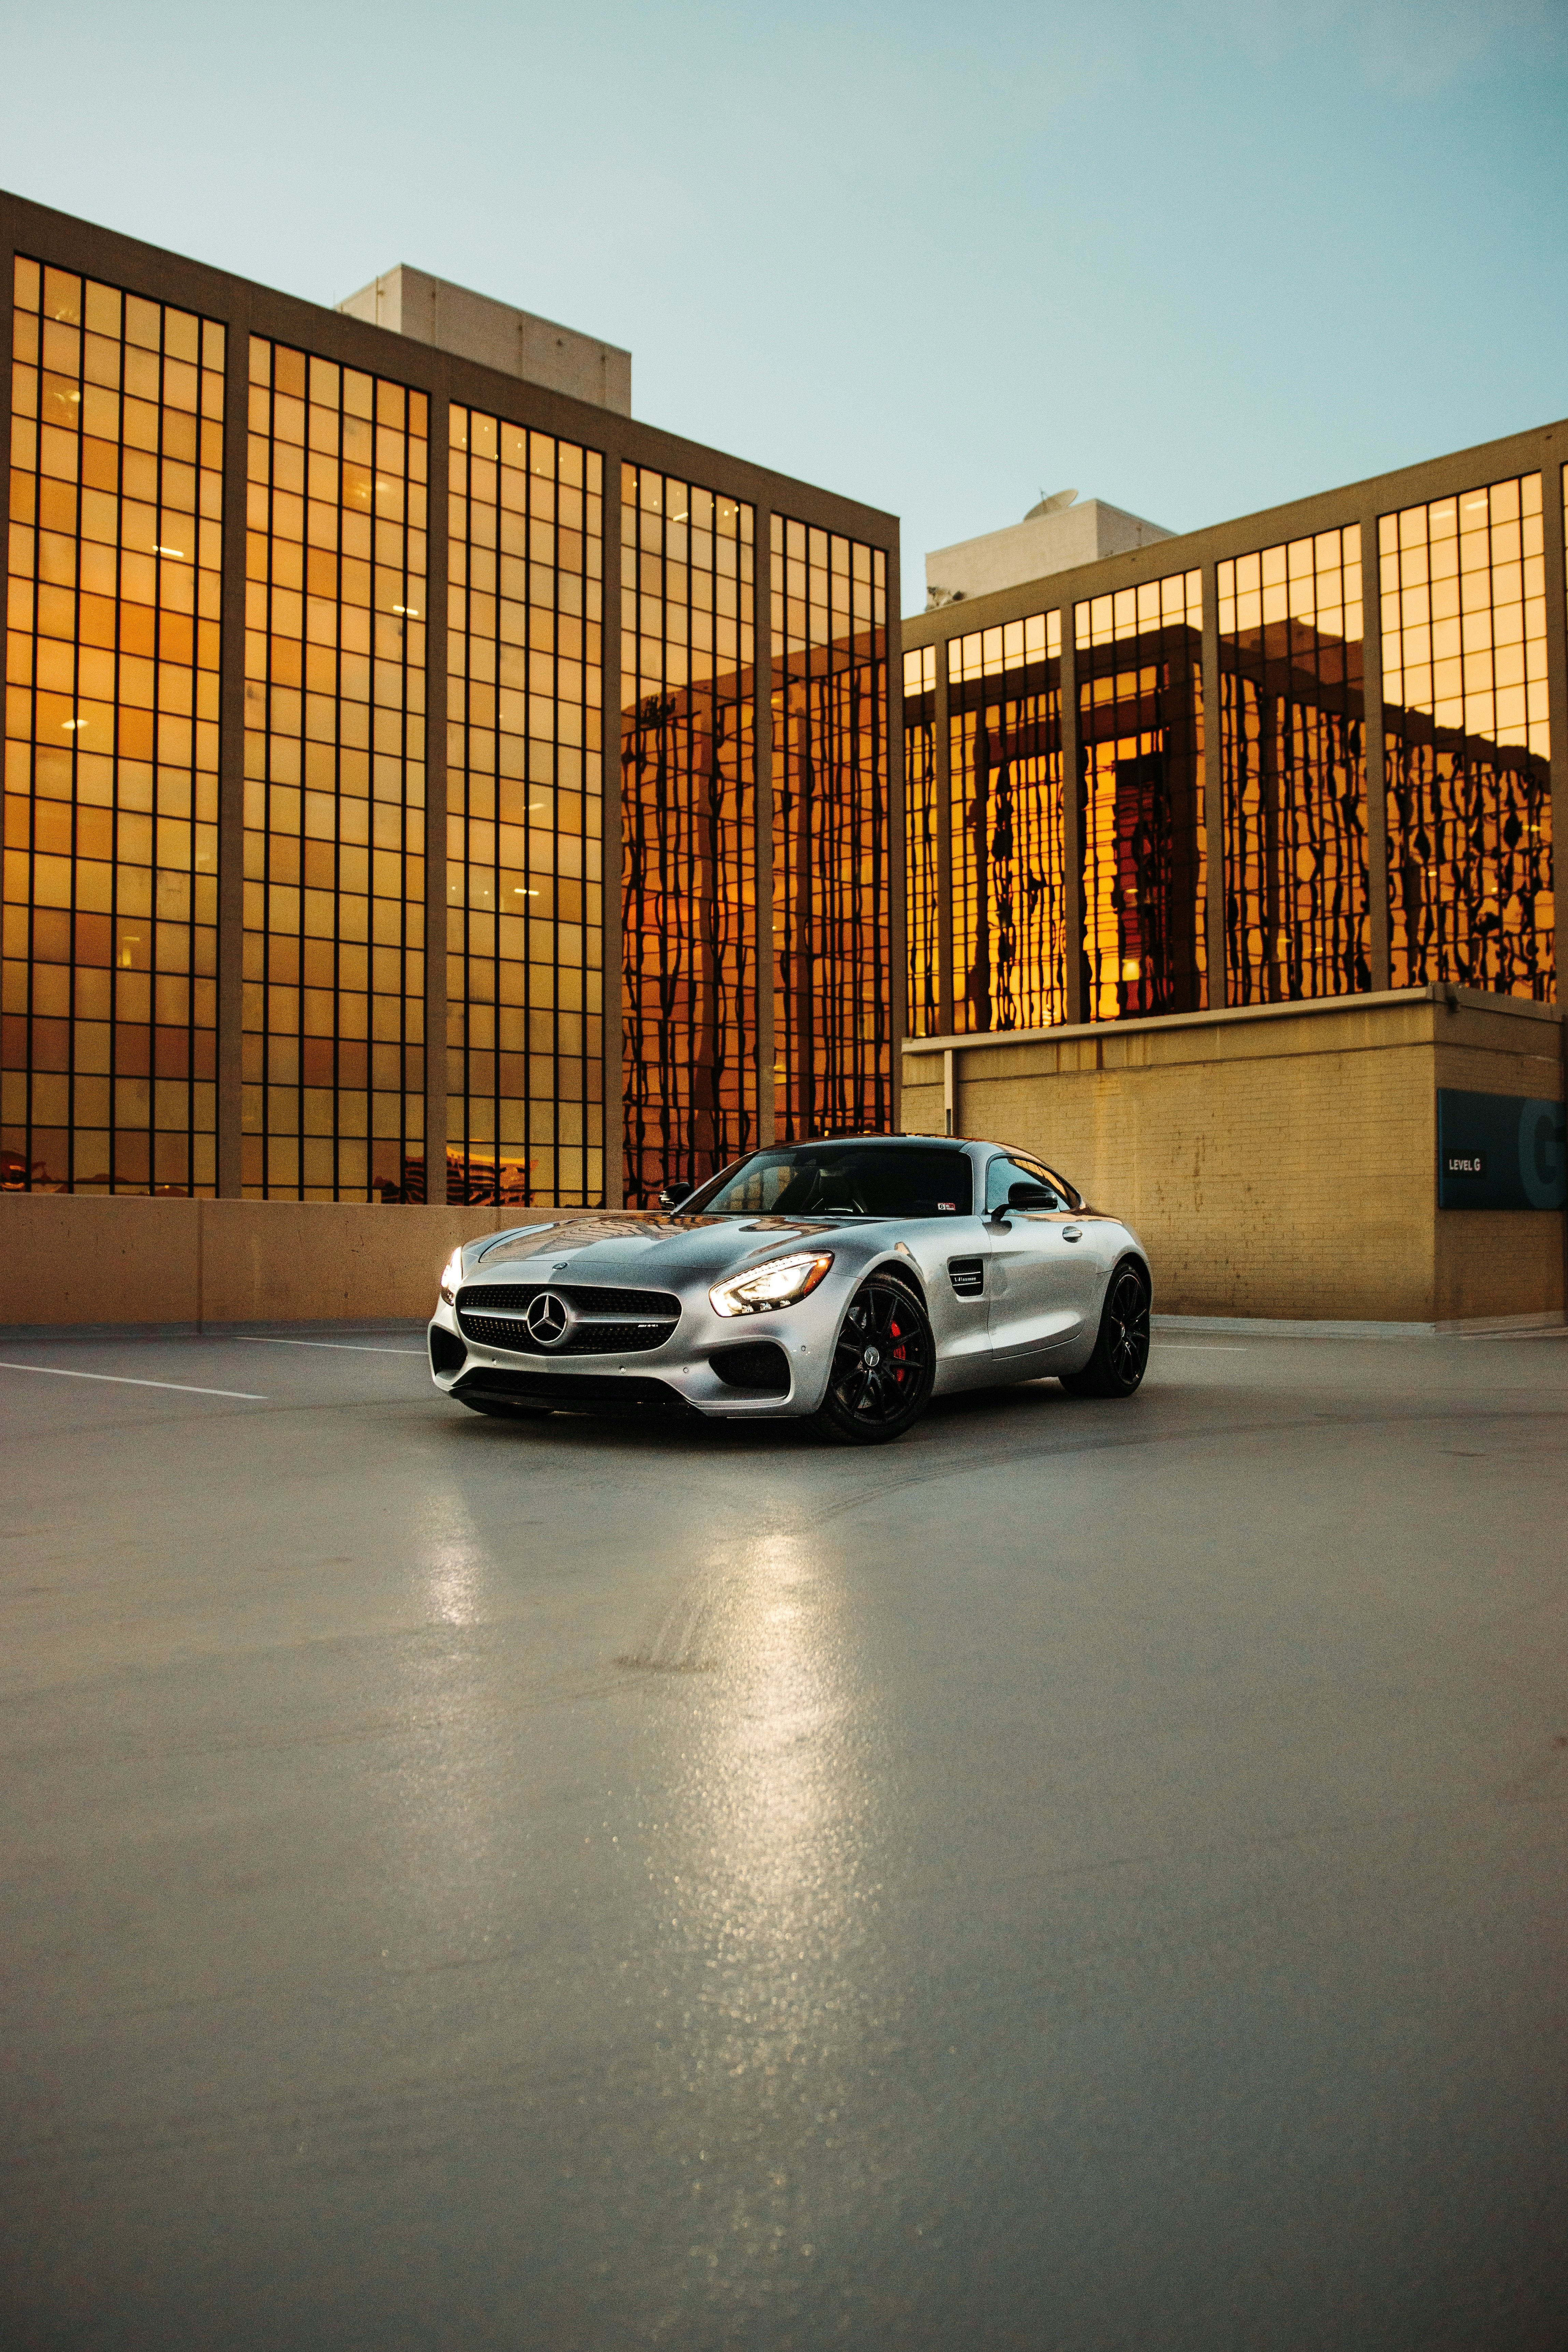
(612,689)
(762,727)
(231,745)
(435,572)
(1072,825)
(942,734)
(897,878)
(1372,748)
(1214,793)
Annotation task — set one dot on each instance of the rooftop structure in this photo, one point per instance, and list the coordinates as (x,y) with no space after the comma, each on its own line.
(1055,536)
(495,334)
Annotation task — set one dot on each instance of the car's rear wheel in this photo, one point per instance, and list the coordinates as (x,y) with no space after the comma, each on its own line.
(884,1362)
(1120,1355)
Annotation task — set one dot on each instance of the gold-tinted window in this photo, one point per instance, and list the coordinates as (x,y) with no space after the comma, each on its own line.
(922,910)
(1145,845)
(1293,759)
(1464,684)
(107,1059)
(687,830)
(524,816)
(1009,910)
(333,1027)
(832,883)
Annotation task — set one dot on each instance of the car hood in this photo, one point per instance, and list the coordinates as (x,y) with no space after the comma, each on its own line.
(648,1249)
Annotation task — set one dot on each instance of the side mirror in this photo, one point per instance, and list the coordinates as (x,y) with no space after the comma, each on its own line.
(1033,1196)
(676,1190)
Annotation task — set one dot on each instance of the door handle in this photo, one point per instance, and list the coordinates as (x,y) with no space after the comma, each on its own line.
(1071,1233)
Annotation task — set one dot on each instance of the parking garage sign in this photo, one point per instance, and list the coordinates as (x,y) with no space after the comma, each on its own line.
(1499,1151)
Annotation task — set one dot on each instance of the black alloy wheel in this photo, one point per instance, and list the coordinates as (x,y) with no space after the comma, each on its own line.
(1120,1355)
(884,1362)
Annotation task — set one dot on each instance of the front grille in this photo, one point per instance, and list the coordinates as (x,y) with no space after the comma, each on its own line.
(967,1275)
(620,1322)
(585,1391)
(582,1297)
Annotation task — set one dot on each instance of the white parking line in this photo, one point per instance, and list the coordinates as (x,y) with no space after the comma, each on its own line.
(1202,1347)
(356,1347)
(124,1381)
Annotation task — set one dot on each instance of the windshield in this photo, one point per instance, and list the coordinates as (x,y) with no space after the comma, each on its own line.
(856,1180)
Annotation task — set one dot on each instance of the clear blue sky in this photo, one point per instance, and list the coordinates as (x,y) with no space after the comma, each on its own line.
(1194,258)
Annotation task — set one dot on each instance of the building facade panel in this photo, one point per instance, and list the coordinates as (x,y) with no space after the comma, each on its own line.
(689,830)
(333,1022)
(923,863)
(108,1064)
(1293,752)
(1007,826)
(833,1014)
(1145,843)
(524,815)
(1468,741)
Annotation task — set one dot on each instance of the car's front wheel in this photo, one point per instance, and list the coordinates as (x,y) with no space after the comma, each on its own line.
(884,1363)
(1121,1354)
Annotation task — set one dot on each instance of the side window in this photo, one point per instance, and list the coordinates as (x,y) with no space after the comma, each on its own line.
(1002,1174)
(1000,1179)
(1071,1199)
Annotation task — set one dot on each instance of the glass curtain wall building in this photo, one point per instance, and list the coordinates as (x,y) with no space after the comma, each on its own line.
(1310,753)
(351,851)
(832,833)
(109,1058)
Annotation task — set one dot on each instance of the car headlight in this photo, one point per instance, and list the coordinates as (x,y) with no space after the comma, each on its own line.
(451,1275)
(780,1283)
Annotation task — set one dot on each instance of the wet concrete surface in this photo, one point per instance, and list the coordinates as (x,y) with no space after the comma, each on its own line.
(1090,1875)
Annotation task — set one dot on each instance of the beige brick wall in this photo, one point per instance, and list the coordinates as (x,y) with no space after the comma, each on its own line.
(1282,1166)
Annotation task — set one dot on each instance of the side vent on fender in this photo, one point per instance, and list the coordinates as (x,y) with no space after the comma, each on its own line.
(967,1275)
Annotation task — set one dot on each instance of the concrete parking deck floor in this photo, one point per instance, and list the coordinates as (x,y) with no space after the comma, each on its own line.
(1089,1877)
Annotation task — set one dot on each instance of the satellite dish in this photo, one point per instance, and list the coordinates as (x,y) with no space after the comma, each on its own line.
(1052,505)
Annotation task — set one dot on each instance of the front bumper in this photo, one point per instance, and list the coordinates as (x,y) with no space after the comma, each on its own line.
(679,1376)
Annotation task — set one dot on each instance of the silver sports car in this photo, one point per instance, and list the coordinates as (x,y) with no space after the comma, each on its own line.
(843,1282)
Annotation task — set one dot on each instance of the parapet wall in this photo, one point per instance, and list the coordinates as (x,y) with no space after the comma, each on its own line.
(86,1259)
(1278,1163)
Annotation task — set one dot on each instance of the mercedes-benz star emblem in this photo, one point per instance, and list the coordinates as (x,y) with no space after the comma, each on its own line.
(546,1319)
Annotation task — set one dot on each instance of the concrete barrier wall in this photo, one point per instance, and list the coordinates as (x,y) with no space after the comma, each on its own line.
(1282,1165)
(86,1259)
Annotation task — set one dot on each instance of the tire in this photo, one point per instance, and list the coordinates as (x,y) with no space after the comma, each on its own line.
(1120,1355)
(499,1410)
(871,1403)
